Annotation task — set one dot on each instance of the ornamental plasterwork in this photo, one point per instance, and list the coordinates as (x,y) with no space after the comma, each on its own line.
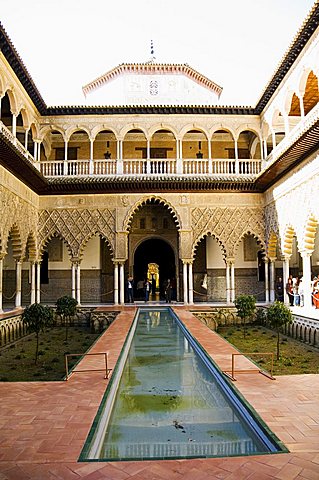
(228,225)
(17,214)
(293,209)
(271,222)
(76,227)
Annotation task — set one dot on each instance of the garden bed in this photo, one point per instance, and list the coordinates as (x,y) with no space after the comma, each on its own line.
(295,357)
(17,360)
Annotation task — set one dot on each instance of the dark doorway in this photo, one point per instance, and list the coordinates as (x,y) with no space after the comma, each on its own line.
(159,252)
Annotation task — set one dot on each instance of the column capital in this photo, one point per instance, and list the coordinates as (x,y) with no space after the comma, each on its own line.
(306,253)
(76,260)
(187,261)
(229,260)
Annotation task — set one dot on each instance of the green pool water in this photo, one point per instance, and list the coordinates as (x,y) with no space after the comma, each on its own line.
(167,403)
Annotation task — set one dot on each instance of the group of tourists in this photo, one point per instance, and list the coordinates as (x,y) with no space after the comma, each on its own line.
(146,287)
(295,291)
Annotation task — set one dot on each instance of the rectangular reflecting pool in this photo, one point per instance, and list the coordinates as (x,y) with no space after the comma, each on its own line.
(167,399)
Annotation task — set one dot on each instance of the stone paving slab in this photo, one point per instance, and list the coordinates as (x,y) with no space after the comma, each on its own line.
(43,425)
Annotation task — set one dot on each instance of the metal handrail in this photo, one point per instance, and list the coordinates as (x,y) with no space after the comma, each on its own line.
(106,369)
(263,372)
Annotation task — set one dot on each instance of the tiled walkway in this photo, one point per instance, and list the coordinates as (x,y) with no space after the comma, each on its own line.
(43,426)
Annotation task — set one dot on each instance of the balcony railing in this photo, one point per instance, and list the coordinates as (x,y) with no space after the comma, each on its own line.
(151,167)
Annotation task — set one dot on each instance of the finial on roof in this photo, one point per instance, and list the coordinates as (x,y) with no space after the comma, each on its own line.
(152,59)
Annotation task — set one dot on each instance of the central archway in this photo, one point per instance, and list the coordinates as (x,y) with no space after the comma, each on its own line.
(159,252)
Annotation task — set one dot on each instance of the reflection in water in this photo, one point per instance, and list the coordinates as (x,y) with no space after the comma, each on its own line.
(168,403)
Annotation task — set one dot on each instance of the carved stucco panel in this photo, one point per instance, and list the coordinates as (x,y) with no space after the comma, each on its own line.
(16,212)
(76,227)
(228,225)
(185,244)
(293,209)
(121,246)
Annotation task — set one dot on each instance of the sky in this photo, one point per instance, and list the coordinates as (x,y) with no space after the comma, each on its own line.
(238,44)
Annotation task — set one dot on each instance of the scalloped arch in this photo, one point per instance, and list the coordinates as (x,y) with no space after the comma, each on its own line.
(93,234)
(272,245)
(309,236)
(56,234)
(208,233)
(288,236)
(14,234)
(253,234)
(144,201)
(31,246)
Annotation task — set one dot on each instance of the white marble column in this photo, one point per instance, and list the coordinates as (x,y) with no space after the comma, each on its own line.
(266,280)
(190,284)
(73,267)
(1,284)
(302,107)
(26,133)
(273,137)
(38,282)
(261,149)
(210,163)
(228,282)
(91,167)
(148,149)
(18,283)
(14,125)
(236,158)
(232,278)
(32,299)
(65,163)
(116,283)
(285,269)
(265,149)
(272,279)
(185,296)
(122,289)
(179,161)
(35,150)
(306,278)
(119,155)
(78,283)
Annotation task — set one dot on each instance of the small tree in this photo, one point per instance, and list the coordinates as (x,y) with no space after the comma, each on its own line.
(278,315)
(36,318)
(66,308)
(245,305)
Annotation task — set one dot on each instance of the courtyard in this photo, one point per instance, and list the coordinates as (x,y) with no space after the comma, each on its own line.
(44,424)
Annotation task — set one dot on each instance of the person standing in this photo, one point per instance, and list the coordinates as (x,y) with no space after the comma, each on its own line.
(279,290)
(168,291)
(147,287)
(289,290)
(130,294)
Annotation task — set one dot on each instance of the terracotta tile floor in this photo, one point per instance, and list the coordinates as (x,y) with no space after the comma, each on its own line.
(43,426)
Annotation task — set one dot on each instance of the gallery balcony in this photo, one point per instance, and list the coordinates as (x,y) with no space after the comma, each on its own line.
(151,167)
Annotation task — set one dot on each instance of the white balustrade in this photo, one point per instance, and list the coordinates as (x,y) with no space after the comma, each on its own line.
(104,167)
(305,123)
(195,166)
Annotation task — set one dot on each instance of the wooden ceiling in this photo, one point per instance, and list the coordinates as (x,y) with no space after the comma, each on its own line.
(310,99)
